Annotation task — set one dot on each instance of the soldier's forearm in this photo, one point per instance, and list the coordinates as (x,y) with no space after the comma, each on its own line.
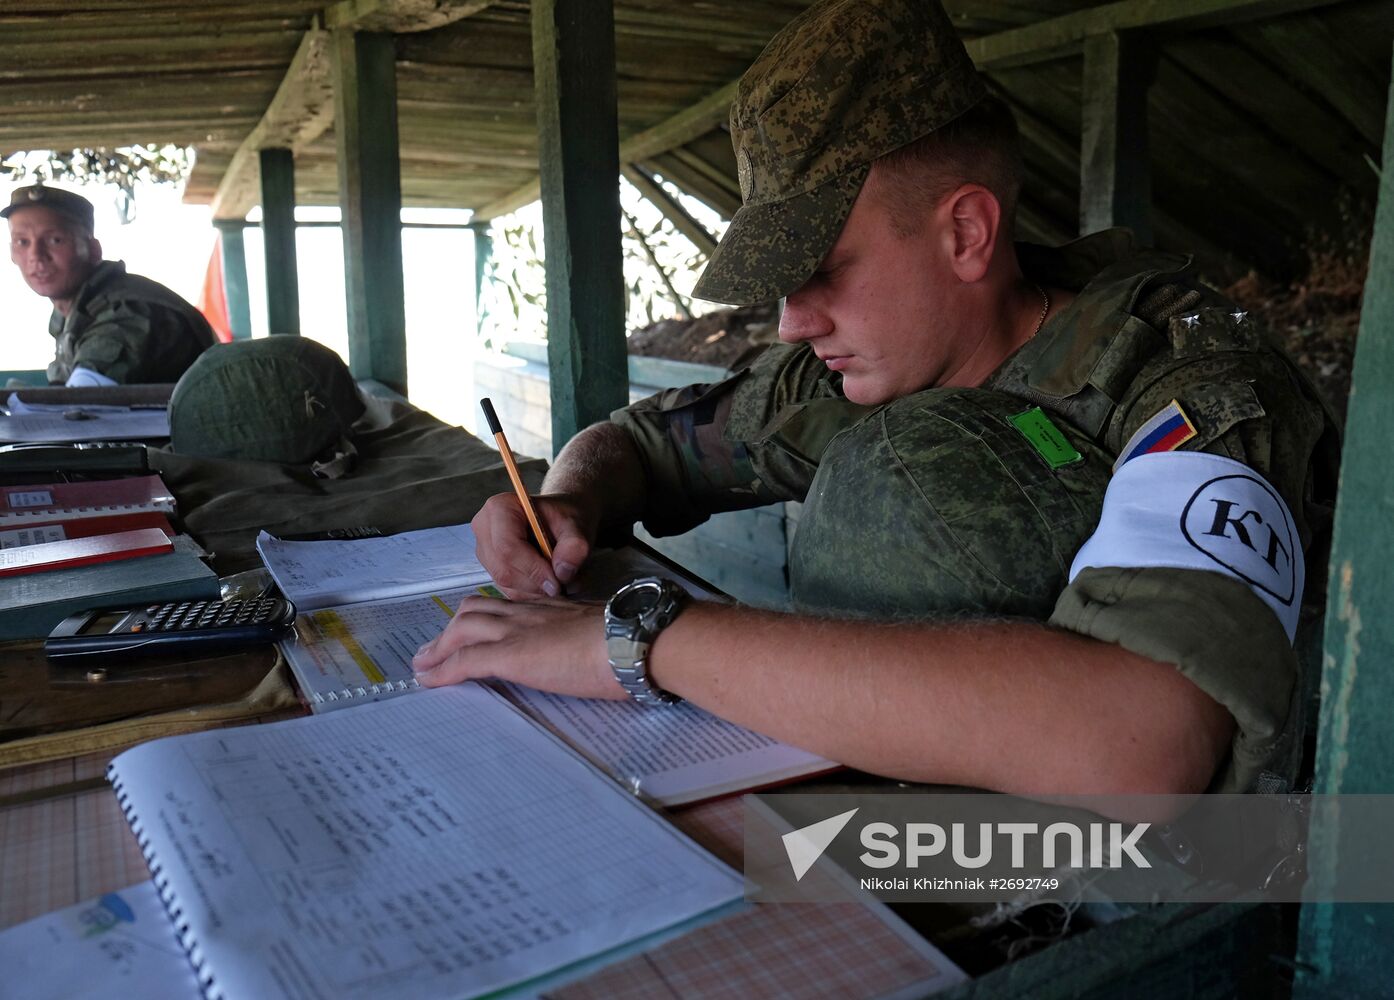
(1011,706)
(600,469)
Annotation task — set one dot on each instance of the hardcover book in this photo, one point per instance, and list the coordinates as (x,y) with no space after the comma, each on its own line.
(97,498)
(68,552)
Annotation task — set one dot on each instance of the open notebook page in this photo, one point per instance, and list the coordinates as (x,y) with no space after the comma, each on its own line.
(440,845)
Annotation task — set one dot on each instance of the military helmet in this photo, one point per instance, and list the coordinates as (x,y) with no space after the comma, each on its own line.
(940,503)
(283,399)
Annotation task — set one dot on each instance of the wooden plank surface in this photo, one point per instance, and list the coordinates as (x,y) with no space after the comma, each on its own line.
(1344,948)
(1115,181)
(1061,36)
(1309,80)
(678,130)
(301,110)
(277,169)
(370,202)
(573,56)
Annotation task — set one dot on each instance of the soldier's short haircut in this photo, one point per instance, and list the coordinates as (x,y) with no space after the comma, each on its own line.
(981,146)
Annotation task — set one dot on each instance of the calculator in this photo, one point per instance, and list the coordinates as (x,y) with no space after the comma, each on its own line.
(187,628)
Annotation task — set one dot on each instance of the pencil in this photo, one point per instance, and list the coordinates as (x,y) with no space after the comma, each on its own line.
(518,487)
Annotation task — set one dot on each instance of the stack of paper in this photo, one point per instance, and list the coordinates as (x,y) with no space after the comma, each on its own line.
(64,422)
(322,574)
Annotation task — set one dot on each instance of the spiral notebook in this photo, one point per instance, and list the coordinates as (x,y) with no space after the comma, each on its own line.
(436,846)
(351,653)
(367,604)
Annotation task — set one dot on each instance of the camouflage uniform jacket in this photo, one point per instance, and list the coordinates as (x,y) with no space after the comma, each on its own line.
(1140,332)
(128,328)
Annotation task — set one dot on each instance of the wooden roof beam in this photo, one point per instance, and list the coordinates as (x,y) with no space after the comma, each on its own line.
(400,16)
(682,128)
(1063,36)
(671,209)
(301,111)
(1050,39)
(303,108)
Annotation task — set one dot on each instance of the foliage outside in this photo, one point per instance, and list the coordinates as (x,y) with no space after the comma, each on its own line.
(122,168)
(657,287)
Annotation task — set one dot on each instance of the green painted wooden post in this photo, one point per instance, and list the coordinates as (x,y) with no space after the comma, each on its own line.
(1115,183)
(483,251)
(239,303)
(370,198)
(278,238)
(1344,948)
(573,50)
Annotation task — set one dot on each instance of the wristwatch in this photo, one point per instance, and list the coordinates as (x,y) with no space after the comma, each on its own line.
(633,618)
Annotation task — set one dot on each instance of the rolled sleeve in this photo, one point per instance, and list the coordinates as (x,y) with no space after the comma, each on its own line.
(692,471)
(1216,632)
(742,442)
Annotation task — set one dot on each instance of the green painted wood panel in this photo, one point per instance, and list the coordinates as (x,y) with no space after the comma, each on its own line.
(578,154)
(278,238)
(370,199)
(239,302)
(1115,170)
(483,253)
(1344,949)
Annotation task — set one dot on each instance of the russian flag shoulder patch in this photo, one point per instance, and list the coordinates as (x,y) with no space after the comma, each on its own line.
(1166,431)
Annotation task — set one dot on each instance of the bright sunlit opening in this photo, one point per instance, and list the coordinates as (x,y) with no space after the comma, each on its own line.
(172,243)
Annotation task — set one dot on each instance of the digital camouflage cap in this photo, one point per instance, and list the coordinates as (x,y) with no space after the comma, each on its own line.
(282,399)
(844,83)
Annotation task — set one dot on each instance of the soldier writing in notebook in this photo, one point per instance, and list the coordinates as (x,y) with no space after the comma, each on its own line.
(971,607)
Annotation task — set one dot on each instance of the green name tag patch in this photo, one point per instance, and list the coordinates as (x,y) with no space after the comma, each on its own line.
(1046,438)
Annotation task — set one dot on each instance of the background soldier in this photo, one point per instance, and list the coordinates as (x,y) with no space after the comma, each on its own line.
(110,327)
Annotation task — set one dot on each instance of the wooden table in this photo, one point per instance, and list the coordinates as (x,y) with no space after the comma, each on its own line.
(63,839)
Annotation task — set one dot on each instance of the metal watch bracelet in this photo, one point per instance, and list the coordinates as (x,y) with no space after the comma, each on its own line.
(633,618)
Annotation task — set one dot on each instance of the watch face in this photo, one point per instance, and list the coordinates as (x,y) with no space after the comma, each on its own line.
(633,603)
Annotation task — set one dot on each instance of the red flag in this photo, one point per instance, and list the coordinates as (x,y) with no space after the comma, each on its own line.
(212,301)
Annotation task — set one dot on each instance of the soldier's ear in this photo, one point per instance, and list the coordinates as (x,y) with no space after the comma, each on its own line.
(94,250)
(976,216)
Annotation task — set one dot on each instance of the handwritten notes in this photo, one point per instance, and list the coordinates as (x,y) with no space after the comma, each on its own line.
(433,846)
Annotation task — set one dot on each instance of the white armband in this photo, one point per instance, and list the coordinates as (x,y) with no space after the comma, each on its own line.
(1193,510)
(86,376)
